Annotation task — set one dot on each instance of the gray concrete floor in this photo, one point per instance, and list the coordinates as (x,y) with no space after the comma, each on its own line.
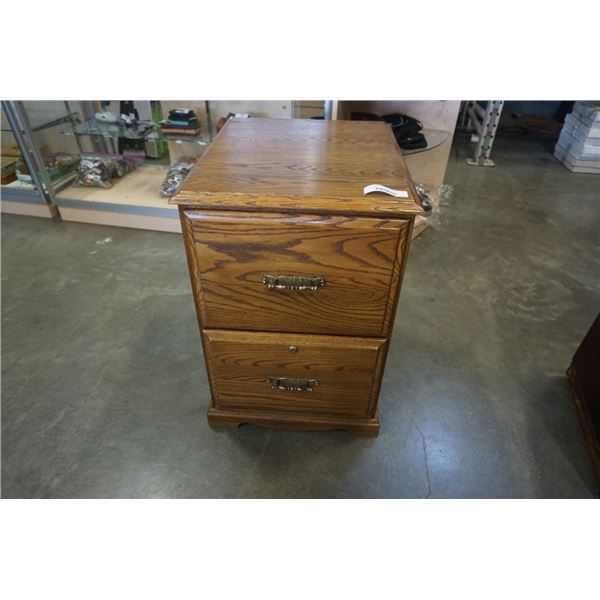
(104,391)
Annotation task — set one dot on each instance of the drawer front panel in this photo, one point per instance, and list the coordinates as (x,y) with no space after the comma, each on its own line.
(287,373)
(297,273)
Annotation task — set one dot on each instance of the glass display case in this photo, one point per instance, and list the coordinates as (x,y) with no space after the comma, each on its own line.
(47,148)
(156,148)
(36,162)
(114,162)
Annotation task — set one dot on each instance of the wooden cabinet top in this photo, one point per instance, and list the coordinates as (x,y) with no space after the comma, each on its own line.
(301,164)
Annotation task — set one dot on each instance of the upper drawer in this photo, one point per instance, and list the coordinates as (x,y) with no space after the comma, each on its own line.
(298,273)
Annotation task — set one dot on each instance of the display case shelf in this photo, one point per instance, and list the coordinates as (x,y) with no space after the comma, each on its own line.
(17,187)
(181,139)
(150,131)
(112,130)
(47,124)
(132,201)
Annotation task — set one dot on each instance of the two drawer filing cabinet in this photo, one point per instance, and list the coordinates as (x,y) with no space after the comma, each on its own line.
(295,271)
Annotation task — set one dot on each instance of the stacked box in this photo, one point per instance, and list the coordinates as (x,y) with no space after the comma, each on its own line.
(578,146)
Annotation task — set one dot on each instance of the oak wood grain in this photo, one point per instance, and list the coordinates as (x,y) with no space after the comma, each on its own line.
(292,164)
(590,435)
(301,422)
(404,239)
(241,363)
(358,257)
(284,199)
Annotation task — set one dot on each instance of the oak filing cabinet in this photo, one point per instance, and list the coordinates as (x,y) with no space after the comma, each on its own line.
(295,272)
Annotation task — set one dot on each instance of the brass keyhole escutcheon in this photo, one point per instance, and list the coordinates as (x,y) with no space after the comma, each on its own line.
(293,349)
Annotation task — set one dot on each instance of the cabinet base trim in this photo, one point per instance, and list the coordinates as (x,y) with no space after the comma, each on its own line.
(225,418)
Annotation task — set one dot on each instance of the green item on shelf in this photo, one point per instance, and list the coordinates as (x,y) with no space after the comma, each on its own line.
(162,145)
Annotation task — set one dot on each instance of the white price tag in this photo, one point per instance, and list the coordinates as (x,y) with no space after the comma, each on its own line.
(377,187)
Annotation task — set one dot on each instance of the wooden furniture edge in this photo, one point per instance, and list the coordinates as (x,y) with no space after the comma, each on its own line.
(230,418)
(589,434)
(409,206)
(196,291)
(396,278)
(376,206)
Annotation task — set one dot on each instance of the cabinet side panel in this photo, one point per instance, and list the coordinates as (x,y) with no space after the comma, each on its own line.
(396,278)
(188,241)
(404,239)
(377,377)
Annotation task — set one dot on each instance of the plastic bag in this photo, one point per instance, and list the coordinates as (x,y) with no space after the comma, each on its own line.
(98,171)
(61,164)
(94,172)
(176,176)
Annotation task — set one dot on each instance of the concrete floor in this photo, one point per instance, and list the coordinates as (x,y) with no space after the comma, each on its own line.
(104,391)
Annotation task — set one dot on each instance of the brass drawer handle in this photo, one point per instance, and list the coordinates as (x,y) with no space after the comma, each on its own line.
(292,282)
(292,384)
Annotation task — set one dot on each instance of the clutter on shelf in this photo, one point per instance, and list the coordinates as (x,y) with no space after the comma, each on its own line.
(181,121)
(578,146)
(58,166)
(9,169)
(99,170)
(107,116)
(126,125)
(61,164)
(176,176)
(406,129)
(23,173)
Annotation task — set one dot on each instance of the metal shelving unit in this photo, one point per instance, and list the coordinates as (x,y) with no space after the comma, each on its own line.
(484,118)
(36,194)
(42,189)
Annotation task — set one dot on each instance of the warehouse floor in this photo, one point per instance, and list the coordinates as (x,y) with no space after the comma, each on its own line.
(104,391)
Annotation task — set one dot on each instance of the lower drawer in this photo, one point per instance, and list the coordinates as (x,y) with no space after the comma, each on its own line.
(291,373)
